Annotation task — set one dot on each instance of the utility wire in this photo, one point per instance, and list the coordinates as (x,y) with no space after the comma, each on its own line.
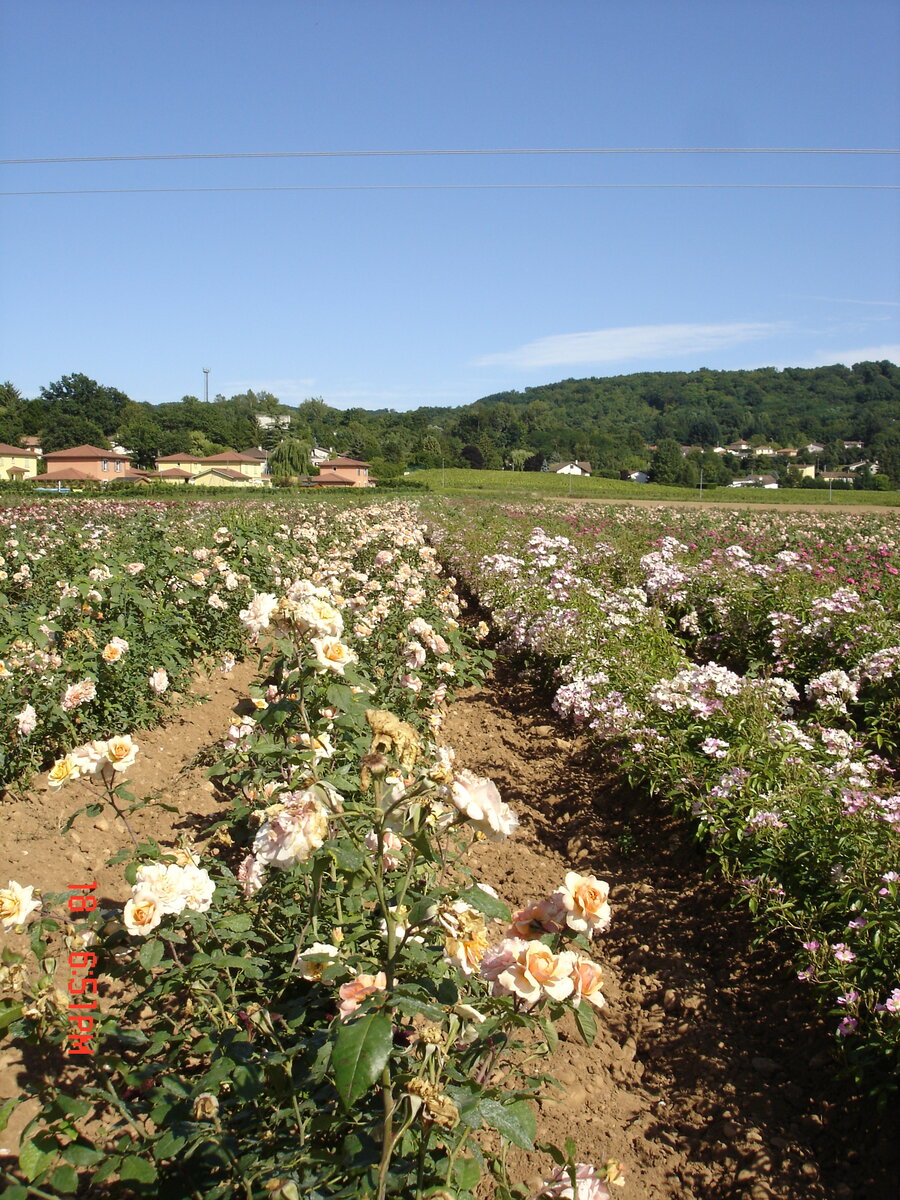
(111,158)
(443,187)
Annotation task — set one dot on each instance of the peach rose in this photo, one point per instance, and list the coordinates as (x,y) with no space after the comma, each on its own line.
(585,901)
(353,993)
(588,979)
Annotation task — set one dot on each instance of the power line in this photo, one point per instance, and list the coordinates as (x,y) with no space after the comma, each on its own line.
(114,158)
(444,187)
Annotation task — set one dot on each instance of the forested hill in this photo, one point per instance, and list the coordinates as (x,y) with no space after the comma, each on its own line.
(607,421)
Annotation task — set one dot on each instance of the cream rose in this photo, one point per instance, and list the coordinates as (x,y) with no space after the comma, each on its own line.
(63,770)
(17,903)
(332,654)
(479,801)
(143,912)
(121,751)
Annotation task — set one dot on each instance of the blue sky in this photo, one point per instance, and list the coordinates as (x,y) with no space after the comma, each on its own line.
(398,296)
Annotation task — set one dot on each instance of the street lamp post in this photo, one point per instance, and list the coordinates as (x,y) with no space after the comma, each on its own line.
(206,384)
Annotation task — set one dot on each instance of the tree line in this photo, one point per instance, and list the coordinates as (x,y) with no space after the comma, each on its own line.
(608,421)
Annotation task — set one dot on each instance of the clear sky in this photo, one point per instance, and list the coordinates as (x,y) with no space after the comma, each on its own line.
(397,296)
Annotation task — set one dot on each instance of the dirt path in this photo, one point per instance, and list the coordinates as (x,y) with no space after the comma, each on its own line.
(707,1078)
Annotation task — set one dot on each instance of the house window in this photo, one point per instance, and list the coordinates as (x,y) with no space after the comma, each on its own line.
(118,466)
(104,466)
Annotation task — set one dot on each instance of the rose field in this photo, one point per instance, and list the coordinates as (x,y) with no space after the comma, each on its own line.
(419,935)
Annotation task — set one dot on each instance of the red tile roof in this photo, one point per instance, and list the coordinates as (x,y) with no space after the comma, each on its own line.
(179,458)
(64,473)
(8,450)
(85,452)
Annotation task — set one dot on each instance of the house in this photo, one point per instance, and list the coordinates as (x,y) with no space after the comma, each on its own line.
(317,455)
(187,463)
(837,477)
(32,445)
(763,481)
(17,463)
(85,463)
(636,476)
(261,456)
(350,471)
(741,447)
(251,465)
(243,464)
(763,451)
(814,448)
(221,477)
(853,445)
(570,468)
(788,452)
(280,421)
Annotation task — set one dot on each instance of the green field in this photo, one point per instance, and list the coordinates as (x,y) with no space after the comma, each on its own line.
(540,484)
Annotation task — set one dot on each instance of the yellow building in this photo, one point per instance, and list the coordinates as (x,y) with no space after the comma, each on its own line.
(16,463)
(230,467)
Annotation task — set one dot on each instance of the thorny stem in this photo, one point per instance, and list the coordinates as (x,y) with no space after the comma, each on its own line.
(111,797)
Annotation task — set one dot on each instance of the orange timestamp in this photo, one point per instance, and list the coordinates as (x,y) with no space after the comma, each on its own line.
(82,988)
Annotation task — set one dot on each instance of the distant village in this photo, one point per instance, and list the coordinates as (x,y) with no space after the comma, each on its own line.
(846,476)
(87,465)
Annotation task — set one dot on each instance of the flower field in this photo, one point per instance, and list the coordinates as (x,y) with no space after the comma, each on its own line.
(314,997)
(746,667)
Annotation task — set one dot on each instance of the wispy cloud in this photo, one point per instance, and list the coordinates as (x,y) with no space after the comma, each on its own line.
(630,342)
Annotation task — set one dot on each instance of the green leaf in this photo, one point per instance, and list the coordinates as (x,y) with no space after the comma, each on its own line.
(586,1022)
(168,1145)
(466,1174)
(151,953)
(347,858)
(515,1121)
(64,1180)
(361,1051)
(413,1007)
(8,1015)
(72,1106)
(33,1161)
(236,923)
(5,1112)
(16,1192)
(79,1155)
(137,1169)
(485,903)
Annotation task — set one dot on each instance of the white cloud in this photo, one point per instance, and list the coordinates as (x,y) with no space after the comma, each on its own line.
(630,342)
(827,358)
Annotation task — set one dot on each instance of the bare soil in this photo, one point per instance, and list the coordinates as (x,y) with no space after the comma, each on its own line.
(710,1077)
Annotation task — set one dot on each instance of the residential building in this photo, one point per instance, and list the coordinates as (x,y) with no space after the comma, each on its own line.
(85,463)
(352,471)
(763,481)
(223,476)
(570,468)
(190,464)
(17,463)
